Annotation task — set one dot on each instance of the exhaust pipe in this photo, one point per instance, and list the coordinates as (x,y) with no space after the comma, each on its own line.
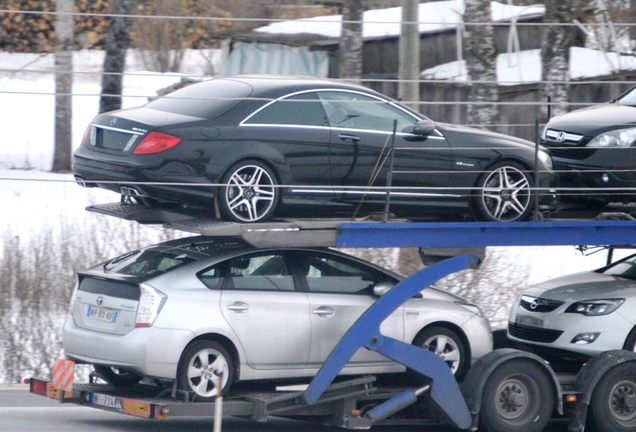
(80,181)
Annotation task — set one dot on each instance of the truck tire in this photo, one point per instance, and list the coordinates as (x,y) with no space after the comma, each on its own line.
(518,397)
(613,404)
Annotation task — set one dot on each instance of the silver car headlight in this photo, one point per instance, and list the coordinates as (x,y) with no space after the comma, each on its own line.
(615,138)
(471,308)
(595,307)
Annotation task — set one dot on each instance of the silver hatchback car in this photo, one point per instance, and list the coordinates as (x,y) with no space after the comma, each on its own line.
(208,311)
(580,315)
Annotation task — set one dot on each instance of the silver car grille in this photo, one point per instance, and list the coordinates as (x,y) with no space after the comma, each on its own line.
(562,137)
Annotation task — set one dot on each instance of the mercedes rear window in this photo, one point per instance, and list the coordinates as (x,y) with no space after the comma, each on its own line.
(207,99)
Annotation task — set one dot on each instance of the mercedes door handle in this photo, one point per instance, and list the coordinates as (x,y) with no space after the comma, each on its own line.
(346,137)
(323,311)
(238,307)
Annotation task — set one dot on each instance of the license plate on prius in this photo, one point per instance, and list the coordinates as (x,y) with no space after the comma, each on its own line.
(529,321)
(101,314)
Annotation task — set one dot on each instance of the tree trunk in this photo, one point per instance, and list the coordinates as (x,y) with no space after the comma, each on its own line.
(481,64)
(117,43)
(350,62)
(409,70)
(63,86)
(555,56)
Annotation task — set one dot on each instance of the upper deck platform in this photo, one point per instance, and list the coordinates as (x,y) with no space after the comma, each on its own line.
(605,230)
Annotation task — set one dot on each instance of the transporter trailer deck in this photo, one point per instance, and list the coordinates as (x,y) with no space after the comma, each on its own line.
(507,390)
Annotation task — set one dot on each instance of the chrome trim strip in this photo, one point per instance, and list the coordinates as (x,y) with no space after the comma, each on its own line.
(362,192)
(117,129)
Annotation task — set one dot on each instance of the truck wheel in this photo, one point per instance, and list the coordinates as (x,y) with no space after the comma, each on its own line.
(117,377)
(202,365)
(613,404)
(518,397)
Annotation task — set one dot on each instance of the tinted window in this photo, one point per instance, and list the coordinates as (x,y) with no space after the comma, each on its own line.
(268,272)
(147,263)
(302,109)
(358,111)
(207,99)
(330,274)
(629,98)
(625,268)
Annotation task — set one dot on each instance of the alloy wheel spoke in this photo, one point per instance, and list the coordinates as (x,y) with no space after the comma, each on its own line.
(202,387)
(194,372)
(440,343)
(255,179)
(452,356)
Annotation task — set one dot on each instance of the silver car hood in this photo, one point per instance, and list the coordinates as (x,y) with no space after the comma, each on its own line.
(583,286)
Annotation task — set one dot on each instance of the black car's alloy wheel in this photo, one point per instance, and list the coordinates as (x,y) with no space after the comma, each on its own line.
(504,194)
(249,194)
(204,366)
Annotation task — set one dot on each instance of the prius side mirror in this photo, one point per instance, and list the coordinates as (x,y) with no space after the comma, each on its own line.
(382,288)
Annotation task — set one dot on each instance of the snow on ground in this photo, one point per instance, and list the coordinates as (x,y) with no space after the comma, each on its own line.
(32,198)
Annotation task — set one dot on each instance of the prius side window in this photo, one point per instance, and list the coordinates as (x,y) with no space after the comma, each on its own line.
(327,274)
(260,272)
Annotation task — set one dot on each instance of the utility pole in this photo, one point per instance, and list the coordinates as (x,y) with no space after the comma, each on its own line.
(63,85)
(409,68)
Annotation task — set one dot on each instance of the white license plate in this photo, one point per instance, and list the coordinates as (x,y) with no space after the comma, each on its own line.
(107,401)
(529,321)
(101,314)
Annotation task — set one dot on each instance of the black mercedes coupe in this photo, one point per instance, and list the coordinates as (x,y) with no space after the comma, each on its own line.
(248,148)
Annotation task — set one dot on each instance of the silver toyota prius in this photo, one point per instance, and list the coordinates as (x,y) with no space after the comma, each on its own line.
(209,312)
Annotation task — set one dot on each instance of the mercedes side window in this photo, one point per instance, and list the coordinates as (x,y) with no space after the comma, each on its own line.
(301,109)
(352,110)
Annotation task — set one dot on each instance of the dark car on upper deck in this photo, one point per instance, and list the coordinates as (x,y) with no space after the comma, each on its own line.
(594,151)
(263,146)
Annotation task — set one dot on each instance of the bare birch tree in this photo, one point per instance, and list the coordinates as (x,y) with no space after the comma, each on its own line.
(63,85)
(555,57)
(350,61)
(481,64)
(117,43)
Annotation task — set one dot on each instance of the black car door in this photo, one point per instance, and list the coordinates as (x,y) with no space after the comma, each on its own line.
(295,126)
(361,133)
